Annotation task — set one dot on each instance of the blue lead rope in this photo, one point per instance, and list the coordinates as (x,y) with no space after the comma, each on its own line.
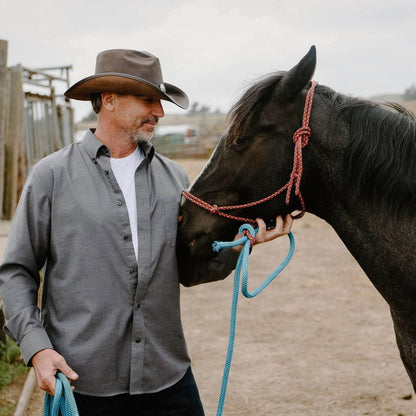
(64,402)
(242,268)
(64,398)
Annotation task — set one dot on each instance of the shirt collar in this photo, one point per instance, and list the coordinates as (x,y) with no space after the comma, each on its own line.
(94,147)
(147,149)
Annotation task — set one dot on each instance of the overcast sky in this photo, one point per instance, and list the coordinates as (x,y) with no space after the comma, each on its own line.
(212,49)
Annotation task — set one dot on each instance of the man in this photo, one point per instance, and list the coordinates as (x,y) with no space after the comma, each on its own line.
(100,217)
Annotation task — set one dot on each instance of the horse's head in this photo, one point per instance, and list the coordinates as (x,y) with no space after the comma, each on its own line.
(253,159)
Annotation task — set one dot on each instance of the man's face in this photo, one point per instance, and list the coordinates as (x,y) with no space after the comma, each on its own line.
(137,116)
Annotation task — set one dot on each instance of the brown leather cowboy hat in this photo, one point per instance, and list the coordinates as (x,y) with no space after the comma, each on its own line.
(127,71)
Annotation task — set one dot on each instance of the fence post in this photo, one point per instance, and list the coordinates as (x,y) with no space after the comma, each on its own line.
(2,322)
(14,139)
(3,113)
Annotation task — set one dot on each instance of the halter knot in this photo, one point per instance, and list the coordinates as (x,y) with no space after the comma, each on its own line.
(250,236)
(214,209)
(303,133)
(293,176)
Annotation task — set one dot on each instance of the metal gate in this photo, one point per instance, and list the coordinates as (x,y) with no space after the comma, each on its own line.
(48,118)
(35,120)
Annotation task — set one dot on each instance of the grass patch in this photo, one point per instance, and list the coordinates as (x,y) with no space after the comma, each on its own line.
(11,366)
(11,363)
(7,409)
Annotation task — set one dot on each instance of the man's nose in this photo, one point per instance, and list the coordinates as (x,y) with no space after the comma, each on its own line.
(157,109)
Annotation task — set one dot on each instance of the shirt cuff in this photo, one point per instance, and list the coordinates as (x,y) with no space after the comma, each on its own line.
(32,343)
(28,332)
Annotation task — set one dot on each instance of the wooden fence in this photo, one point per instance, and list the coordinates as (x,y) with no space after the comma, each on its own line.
(34,121)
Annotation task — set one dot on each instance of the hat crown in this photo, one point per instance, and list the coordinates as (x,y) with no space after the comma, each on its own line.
(126,71)
(130,62)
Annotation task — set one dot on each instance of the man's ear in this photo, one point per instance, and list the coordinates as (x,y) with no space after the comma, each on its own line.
(108,100)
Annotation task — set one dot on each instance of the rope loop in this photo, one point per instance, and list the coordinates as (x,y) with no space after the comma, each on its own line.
(247,234)
(241,275)
(63,402)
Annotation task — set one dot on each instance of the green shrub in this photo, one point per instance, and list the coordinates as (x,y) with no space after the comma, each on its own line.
(11,363)
(7,409)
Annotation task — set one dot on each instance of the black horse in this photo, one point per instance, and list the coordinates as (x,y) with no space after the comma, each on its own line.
(359,175)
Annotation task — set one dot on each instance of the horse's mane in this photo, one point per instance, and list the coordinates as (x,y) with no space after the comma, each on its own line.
(380,160)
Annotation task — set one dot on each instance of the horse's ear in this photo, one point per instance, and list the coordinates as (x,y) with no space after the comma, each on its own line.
(297,78)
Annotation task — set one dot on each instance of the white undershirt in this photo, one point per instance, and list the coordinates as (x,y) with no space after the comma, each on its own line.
(124,170)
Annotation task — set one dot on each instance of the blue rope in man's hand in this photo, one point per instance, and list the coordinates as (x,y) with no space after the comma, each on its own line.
(242,268)
(64,402)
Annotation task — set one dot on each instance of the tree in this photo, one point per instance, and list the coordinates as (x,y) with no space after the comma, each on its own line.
(410,93)
(195,108)
(91,116)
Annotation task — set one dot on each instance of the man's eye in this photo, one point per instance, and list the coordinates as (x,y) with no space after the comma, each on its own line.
(146,99)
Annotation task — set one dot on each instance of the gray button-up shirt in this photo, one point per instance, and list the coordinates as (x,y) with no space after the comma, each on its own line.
(115,319)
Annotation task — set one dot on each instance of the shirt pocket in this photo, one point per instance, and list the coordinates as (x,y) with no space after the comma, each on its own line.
(171,220)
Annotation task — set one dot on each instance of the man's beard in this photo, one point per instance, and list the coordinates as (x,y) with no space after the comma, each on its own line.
(144,135)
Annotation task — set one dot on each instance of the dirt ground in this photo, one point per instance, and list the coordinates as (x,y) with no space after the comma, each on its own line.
(318,341)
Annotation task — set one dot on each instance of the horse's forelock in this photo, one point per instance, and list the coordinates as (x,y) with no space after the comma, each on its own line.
(246,109)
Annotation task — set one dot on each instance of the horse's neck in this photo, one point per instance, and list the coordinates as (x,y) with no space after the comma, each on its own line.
(385,249)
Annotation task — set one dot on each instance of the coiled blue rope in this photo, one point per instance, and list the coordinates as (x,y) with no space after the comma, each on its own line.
(242,268)
(65,402)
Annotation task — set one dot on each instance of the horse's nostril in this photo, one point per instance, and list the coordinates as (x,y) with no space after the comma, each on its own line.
(192,243)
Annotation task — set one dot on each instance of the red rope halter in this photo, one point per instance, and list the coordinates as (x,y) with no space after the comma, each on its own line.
(300,138)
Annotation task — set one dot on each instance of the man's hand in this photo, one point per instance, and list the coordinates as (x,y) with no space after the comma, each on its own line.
(283,227)
(46,363)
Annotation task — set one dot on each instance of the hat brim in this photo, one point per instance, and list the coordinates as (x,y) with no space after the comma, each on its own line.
(125,84)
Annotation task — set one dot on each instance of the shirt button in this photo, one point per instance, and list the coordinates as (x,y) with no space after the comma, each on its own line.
(137,340)
(119,203)
(138,306)
(126,237)
(132,271)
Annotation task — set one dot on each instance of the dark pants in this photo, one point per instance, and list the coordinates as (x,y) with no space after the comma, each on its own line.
(181,399)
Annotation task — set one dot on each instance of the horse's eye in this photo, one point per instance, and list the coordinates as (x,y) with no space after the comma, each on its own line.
(240,142)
